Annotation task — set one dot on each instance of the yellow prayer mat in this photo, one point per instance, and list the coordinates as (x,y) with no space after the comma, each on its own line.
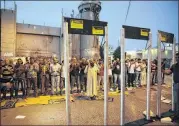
(43,100)
(32,101)
(21,104)
(126,93)
(56,97)
(44,97)
(116,93)
(3,103)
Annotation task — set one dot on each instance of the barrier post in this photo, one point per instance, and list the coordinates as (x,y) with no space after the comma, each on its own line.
(159,81)
(66,71)
(106,77)
(149,76)
(173,62)
(122,44)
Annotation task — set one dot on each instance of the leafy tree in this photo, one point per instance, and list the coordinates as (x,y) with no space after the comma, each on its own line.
(117,53)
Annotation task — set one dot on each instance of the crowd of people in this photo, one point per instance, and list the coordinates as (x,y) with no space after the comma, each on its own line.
(42,74)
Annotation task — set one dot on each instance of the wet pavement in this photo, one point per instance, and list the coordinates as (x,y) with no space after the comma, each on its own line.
(85,112)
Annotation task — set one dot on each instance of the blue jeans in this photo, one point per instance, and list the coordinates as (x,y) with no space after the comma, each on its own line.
(17,83)
(117,80)
(176,97)
(138,78)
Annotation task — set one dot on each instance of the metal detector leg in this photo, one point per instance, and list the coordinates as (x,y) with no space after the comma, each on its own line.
(173,62)
(106,78)
(66,64)
(159,78)
(149,77)
(122,121)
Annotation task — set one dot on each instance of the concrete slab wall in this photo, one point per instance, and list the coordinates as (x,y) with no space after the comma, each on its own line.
(8,33)
(38,29)
(37,45)
(19,39)
(36,40)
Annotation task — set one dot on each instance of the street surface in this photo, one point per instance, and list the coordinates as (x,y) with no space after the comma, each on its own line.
(84,112)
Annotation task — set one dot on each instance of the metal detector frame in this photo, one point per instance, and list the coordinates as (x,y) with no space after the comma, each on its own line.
(122,44)
(159,74)
(67,82)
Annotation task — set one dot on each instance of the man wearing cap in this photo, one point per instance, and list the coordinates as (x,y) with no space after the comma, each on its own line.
(55,70)
(175,70)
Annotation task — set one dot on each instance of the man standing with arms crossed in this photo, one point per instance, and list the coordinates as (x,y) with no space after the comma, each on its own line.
(175,70)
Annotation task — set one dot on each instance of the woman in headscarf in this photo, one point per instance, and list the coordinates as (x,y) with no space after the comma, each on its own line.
(91,71)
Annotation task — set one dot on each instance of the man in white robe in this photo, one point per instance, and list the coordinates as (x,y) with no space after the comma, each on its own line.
(91,71)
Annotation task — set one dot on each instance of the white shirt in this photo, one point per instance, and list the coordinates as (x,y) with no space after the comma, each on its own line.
(118,67)
(109,71)
(138,68)
(131,68)
(54,68)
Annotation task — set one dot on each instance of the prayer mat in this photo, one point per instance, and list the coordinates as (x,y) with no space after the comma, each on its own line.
(56,101)
(9,104)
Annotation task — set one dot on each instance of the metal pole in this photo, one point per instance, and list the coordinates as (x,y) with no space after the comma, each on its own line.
(122,76)
(178,45)
(173,62)
(66,65)
(15,29)
(159,77)
(62,37)
(1,35)
(106,78)
(148,76)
